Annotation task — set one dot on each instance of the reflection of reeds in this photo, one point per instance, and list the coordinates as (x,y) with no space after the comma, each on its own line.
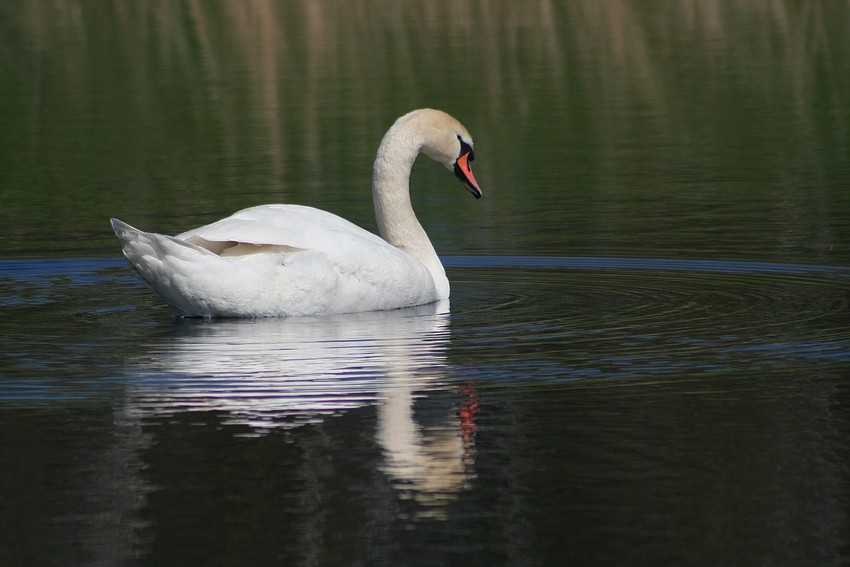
(283,76)
(493,54)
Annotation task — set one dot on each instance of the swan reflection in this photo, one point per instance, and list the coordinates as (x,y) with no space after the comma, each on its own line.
(285,373)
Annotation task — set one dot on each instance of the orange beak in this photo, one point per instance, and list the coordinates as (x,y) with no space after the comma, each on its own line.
(463,171)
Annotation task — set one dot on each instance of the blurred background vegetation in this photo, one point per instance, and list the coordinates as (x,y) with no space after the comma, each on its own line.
(706,129)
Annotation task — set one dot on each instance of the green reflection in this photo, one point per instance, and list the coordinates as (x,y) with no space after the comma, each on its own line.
(697,130)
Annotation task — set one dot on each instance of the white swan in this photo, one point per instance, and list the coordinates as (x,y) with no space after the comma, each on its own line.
(291,260)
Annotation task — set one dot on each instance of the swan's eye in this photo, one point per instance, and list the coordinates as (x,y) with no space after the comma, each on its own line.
(465,148)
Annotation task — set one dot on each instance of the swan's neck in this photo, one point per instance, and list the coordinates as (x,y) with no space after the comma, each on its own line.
(397,222)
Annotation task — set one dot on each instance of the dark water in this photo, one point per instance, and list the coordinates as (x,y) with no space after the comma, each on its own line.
(645,358)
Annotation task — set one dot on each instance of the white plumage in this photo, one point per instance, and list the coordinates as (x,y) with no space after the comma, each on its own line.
(292,260)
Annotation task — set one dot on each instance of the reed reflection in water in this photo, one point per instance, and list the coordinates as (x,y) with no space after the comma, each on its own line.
(609,103)
(283,373)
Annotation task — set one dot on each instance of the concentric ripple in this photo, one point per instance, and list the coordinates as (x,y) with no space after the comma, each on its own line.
(75,329)
(578,318)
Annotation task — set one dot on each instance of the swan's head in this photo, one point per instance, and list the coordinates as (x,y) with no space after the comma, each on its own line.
(446,141)
(462,168)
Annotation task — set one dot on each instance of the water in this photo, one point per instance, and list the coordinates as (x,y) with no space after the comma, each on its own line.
(645,358)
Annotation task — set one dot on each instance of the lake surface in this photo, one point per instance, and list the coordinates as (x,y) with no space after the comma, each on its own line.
(645,358)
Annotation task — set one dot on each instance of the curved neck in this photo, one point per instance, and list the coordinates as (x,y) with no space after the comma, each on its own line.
(394,214)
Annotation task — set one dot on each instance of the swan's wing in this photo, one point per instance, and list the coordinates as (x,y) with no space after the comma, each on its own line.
(284,227)
(306,235)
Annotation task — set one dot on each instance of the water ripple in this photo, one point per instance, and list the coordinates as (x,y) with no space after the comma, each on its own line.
(513,319)
(578,318)
(655,264)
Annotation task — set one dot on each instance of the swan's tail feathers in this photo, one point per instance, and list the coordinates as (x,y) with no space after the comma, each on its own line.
(142,248)
(161,261)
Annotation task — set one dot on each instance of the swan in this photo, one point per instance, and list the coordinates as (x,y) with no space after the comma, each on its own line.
(294,260)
